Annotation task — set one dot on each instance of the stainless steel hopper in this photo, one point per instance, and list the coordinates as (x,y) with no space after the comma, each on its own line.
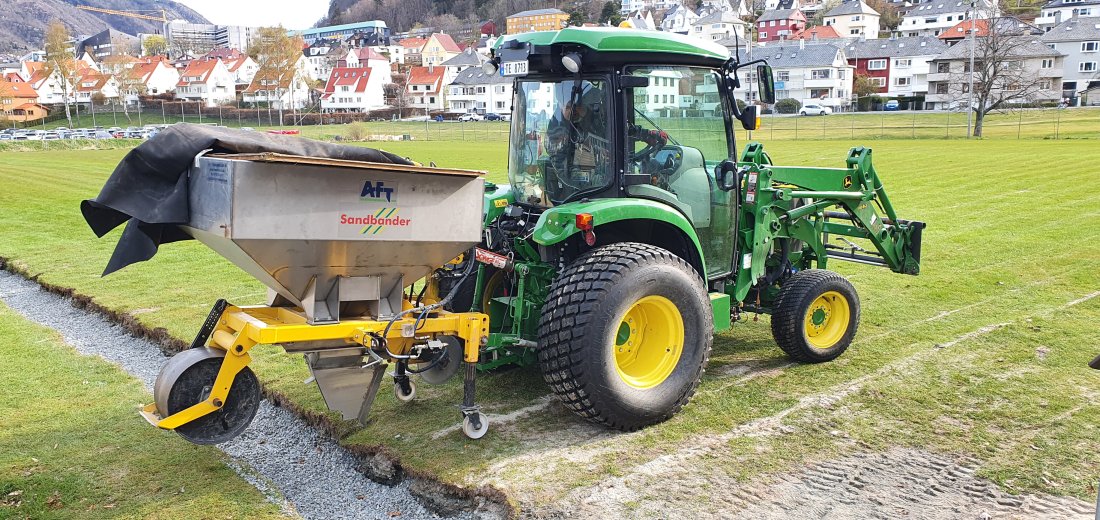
(335,237)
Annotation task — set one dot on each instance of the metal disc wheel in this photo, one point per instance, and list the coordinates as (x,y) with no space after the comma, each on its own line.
(188,378)
(816,315)
(448,365)
(649,342)
(475,433)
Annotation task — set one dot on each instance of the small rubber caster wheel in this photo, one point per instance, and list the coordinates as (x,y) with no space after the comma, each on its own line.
(402,395)
(468,426)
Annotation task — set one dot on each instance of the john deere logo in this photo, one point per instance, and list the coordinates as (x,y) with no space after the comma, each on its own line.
(377,191)
(848,181)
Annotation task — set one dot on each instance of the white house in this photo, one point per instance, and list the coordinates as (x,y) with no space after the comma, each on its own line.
(207,80)
(811,72)
(474,91)
(321,57)
(719,25)
(285,93)
(640,20)
(936,16)
(469,58)
(948,80)
(368,57)
(424,88)
(897,66)
(354,89)
(1079,40)
(853,19)
(1057,11)
(663,91)
(679,20)
(94,83)
(156,77)
(241,65)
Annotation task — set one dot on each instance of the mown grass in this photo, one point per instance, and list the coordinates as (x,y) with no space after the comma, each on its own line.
(70,447)
(1012,234)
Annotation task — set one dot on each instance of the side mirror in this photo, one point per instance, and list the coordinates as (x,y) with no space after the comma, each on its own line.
(750,117)
(765,83)
(726,175)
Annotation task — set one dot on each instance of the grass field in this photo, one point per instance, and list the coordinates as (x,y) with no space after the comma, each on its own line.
(983,354)
(69,447)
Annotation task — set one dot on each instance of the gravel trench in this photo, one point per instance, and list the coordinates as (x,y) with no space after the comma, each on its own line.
(289,461)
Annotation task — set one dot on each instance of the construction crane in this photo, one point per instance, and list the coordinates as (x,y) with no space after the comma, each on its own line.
(163,18)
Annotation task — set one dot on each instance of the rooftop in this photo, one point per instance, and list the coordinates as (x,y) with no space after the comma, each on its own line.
(1074,29)
(781,14)
(849,7)
(895,47)
(537,12)
(794,55)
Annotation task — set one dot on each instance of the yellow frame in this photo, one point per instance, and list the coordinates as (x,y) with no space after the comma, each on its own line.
(241,328)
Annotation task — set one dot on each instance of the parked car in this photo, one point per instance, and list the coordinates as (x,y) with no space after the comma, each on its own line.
(892,105)
(493,117)
(471,117)
(812,109)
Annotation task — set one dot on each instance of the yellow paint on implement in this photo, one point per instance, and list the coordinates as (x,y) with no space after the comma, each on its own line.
(827,320)
(649,342)
(241,328)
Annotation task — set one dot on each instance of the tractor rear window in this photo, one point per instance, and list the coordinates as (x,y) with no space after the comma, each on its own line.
(559,146)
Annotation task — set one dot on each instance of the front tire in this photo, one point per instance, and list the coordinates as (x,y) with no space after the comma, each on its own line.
(816,316)
(625,335)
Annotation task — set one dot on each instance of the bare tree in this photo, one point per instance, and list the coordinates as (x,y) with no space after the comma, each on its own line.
(395,93)
(1008,63)
(60,62)
(130,83)
(277,55)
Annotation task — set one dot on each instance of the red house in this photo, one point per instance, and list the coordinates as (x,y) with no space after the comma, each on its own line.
(780,24)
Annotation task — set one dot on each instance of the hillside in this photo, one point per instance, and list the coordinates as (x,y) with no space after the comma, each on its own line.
(447,15)
(23,22)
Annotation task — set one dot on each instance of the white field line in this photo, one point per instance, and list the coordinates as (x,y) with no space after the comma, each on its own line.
(496,420)
(1082,299)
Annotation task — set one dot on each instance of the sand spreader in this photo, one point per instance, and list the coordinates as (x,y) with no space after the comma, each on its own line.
(339,244)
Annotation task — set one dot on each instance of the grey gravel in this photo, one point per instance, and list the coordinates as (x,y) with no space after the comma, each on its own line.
(286,459)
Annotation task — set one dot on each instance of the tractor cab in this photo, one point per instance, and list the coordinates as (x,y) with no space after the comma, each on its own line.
(613,113)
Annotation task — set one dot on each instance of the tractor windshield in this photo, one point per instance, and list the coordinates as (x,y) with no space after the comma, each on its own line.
(559,145)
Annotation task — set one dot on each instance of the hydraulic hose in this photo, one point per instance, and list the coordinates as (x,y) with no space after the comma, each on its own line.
(423,312)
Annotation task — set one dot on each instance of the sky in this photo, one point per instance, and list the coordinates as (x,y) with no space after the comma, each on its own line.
(292,14)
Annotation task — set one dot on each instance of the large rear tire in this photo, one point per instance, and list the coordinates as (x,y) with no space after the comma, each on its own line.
(816,316)
(625,335)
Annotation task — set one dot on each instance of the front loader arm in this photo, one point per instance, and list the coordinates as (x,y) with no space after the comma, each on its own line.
(847,202)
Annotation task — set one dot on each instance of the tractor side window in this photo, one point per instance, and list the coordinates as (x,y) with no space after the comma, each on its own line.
(677,136)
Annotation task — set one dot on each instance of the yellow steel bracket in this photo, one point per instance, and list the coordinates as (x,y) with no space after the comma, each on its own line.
(236,347)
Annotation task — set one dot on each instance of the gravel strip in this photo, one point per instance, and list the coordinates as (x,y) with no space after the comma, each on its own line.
(316,477)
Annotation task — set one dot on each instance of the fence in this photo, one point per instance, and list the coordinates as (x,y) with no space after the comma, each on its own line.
(1071,123)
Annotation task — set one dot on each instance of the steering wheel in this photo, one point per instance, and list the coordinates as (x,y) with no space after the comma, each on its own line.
(654,140)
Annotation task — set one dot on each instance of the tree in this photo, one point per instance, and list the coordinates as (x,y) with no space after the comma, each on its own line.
(576,19)
(277,54)
(787,106)
(1006,70)
(396,95)
(890,17)
(155,45)
(863,88)
(130,83)
(60,62)
(610,14)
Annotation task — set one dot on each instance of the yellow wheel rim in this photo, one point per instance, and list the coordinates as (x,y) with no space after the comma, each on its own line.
(648,342)
(827,320)
(492,289)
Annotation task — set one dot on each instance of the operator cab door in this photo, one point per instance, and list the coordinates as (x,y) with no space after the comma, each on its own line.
(687,105)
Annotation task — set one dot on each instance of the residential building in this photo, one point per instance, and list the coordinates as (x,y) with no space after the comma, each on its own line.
(208,81)
(50,87)
(439,48)
(379,64)
(1078,39)
(719,24)
(18,101)
(816,72)
(287,92)
(424,88)
(1026,60)
(1055,12)
(898,66)
(467,59)
(108,43)
(156,77)
(936,16)
(780,24)
(818,32)
(365,39)
(634,6)
(1004,25)
(241,65)
(395,53)
(322,56)
(354,89)
(93,85)
(413,48)
(488,28)
(639,20)
(679,20)
(739,7)
(536,20)
(347,30)
(853,19)
(474,91)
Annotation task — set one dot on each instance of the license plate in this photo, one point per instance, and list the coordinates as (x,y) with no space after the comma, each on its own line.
(513,68)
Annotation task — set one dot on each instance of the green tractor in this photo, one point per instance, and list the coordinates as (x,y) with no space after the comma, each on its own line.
(632,230)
